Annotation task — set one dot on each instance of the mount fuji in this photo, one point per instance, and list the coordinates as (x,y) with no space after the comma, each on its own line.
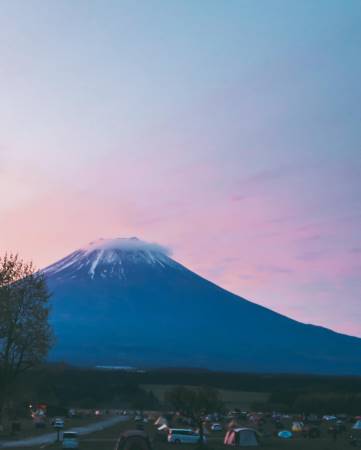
(125,302)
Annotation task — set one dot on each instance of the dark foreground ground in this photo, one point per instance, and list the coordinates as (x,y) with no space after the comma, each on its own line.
(107,440)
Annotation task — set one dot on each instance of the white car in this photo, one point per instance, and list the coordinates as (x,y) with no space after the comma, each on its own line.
(58,423)
(216,427)
(329,418)
(70,439)
(184,436)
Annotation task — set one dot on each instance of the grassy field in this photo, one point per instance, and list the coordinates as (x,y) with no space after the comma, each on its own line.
(107,439)
(231,399)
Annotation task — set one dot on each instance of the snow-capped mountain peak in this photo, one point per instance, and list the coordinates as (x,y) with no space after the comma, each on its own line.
(111,258)
(125,244)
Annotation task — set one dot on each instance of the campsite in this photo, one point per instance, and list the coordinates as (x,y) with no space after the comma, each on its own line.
(107,439)
(309,407)
(237,429)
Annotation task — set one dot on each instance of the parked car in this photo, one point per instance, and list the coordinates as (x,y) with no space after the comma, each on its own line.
(216,427)
(58,423)
(184,436)
(329,418)
(70,439)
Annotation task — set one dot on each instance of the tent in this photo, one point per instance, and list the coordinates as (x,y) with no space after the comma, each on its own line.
(161,421)
(242,437)
(285,434)
(357,425)
(297,427)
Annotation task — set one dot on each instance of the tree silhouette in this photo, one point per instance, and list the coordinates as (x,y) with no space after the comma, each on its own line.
(195,403)
(25,334)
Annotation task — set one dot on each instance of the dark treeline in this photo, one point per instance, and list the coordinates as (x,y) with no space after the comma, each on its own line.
(91,388)
(64,386)
(222,380)
(252,382)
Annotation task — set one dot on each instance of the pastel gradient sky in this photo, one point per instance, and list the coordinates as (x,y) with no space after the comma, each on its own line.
(229,131)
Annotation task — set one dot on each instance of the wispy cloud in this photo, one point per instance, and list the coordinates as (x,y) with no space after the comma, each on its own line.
(238,197)
(246,277)
(312,255)
(269,175)
(274,269)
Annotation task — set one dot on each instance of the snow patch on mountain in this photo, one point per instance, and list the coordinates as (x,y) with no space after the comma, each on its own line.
(95,263)
(112,258)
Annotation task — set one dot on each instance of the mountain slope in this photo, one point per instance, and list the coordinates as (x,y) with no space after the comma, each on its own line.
(126,302)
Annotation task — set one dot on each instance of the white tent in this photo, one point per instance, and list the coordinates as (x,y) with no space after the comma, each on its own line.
(242,437)
(297,427)
(357,425)
(161,421)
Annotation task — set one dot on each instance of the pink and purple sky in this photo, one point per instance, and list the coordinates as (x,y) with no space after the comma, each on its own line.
(228,131)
